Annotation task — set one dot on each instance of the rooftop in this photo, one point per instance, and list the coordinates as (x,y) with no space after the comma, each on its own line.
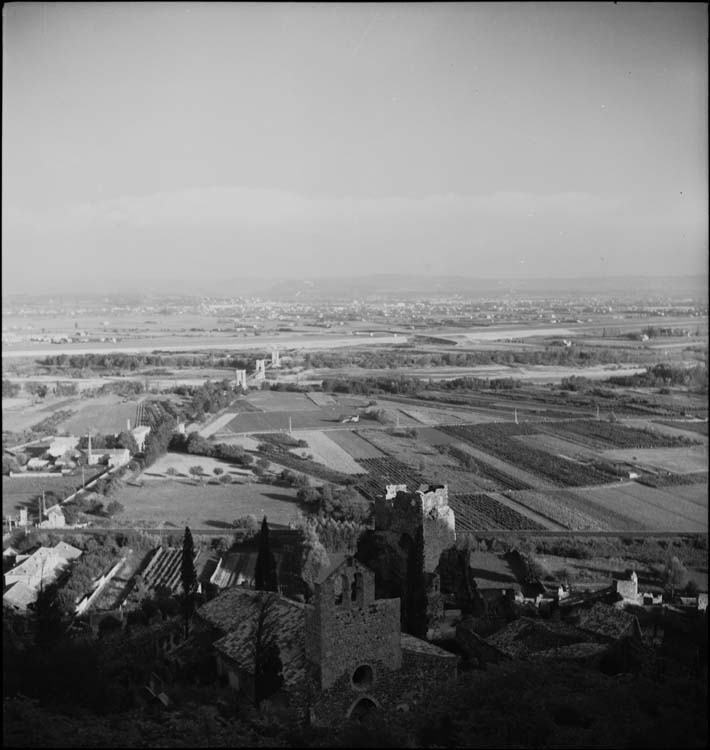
(235,612)
(491,571)
(19,595)
(604,620)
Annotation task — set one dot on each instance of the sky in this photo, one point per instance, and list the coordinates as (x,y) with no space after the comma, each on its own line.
(190,142)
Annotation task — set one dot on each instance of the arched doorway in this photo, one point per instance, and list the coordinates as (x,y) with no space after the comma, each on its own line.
(362,709)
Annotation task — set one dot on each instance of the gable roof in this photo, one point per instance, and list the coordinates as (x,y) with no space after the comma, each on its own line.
(234,612)
(419,646)
(491,571)
(20,595)
(606,621)
(65,550)
(43,561)
(526,636)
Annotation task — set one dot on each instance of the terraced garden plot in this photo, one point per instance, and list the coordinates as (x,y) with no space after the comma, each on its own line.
(281,401)
(686,460)
(384,471)
(693,493)
(355,445)
(613,434)
(163,570)
(497,440)
(276,421)
(481,512)
(218,424)
(321,399)
(648,509)
(183,503)
(18,492)
(106,414)
(431,416)
(666,481)
(570,511)
(325,451)
(700,428)
(556,446)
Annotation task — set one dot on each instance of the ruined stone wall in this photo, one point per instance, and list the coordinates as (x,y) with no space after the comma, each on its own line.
(405,512)
(355,636)
(402,689)
(439,535)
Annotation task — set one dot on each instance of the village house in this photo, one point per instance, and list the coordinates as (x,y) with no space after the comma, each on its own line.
(41,568)
(342,656)
(595,636)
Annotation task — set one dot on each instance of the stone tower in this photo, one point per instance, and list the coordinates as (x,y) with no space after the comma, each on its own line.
(348,631)
(401,512)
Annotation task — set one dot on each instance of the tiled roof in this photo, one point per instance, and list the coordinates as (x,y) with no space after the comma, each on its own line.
(526,636)
(66,550)
(20,595)
(491,571)
(418,646)
(43,561)
(572,651)
(235,612)
(606,621)
(234,568)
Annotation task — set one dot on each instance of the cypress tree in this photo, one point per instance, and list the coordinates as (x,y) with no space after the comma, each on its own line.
(188,577)
(265,569)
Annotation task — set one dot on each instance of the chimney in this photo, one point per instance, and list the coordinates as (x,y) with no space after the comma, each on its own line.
(128,425)
(89,453)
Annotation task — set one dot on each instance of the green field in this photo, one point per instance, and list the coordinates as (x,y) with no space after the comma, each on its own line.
(183,503)
(17,492)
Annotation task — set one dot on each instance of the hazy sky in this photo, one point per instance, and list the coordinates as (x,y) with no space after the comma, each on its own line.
(195,141)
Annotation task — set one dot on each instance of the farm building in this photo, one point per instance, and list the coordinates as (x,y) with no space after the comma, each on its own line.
(55,518)
(628,589)
(19,596)
(342,655)
(493,575)
(112,456)
(43,566)
(61,445)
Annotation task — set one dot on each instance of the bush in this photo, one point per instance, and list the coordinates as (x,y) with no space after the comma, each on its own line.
(114,508)
(248,524)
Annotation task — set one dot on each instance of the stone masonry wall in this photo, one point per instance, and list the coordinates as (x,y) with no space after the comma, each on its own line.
(405,689)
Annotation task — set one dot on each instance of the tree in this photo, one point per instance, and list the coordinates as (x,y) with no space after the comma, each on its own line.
(315,557)
(127,440)
(268,668)
(674,575)
(217,471)
(248,524)
(197,471)
(265,569)
(113,508)
(171,471)
(188,576)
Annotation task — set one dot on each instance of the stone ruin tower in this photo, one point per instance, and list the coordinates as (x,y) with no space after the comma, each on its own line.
(402,512)
(349,634)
